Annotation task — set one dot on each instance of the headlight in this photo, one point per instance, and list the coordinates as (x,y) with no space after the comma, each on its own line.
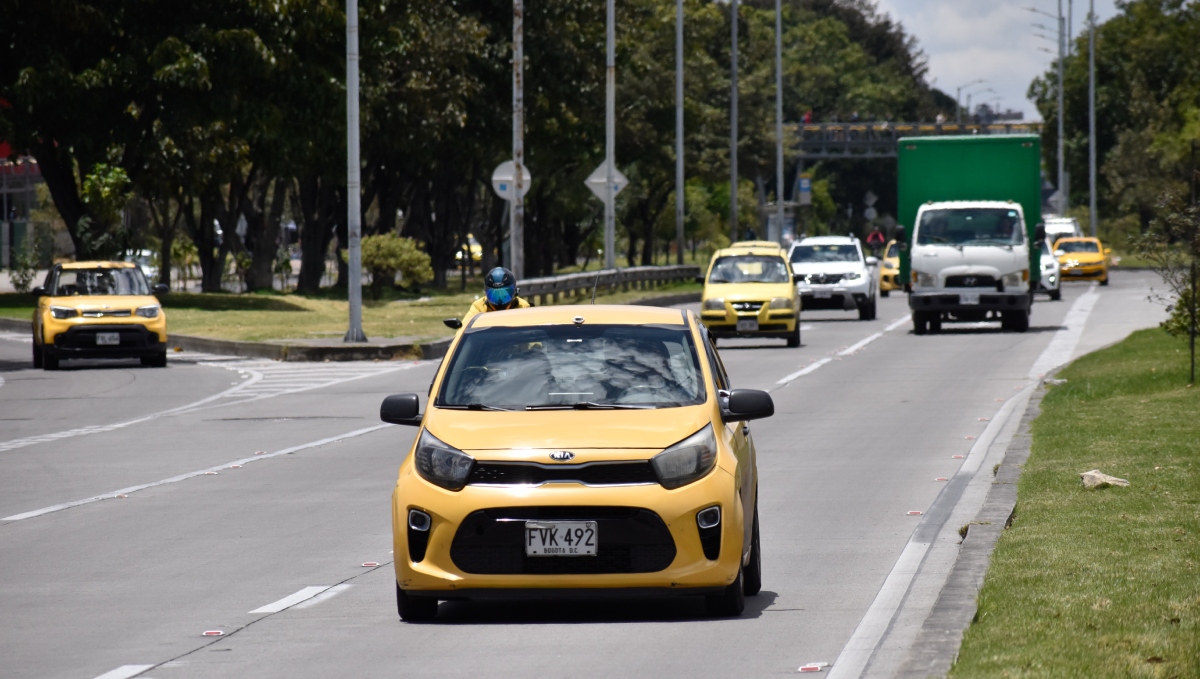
(853,276)
(150,311)
(1016,278)
(63,312)
(889,265)
(688,460)
(717,304)
(441,464)
(780,303)
(923,279)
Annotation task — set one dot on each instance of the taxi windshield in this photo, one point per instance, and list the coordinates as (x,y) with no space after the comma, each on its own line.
(749,269)
(1078,246)
(71,282)
(970,226)
(574,367)
(823,253)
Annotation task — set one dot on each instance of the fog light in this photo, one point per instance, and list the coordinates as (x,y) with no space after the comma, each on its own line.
(709,518)
(419,520)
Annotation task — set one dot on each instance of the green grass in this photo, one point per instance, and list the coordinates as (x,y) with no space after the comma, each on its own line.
(1102,583)
(268,316)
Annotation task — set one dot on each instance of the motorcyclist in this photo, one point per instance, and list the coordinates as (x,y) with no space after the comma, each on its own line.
(500,293)
(876,241)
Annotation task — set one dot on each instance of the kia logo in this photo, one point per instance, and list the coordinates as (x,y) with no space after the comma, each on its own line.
(562,456)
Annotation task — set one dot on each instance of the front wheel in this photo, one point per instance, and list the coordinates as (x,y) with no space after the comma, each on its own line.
(1105,281)
(920,323)
(1055,295)
(884,293)
(793,340)
(752,574)
(37,356)
(729,602)
(415,608)
(49,362)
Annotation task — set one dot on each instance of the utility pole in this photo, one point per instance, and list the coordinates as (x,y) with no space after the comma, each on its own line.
(733,125)
(353,178)
(958,98)
(1092,216)
(516,221)
(1062,172)
(778,235)
(680,194)
(610,112)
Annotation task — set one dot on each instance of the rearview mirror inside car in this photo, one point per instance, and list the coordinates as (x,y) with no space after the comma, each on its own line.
(401,409)
(747,404)
(452,323)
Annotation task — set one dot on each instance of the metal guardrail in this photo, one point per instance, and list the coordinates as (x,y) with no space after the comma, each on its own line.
(878,140)
(580,284)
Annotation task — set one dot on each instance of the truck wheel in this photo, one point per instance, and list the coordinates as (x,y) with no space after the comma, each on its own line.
(920,322)
(935,324)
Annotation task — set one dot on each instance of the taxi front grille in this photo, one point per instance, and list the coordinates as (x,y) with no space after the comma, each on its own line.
(590,474)
(746,306)
(629,540)
(112,313)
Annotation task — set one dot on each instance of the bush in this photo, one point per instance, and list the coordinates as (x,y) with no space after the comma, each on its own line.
(24,268)
(387,254)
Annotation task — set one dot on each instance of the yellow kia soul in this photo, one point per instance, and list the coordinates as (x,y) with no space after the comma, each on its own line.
(98,310)
(749,292)
(576,450)
(1082,259)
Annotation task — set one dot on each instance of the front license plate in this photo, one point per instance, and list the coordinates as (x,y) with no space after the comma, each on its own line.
(968,298)
(747,326)
(560,538)
(822,294)
(104,339)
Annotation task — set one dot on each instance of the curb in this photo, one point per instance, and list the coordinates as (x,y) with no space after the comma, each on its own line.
(936,647)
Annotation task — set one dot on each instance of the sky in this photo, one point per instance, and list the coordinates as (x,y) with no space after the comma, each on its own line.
(965,40)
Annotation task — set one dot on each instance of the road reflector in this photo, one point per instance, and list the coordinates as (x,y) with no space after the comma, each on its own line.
(957,457)
(210,473)
(969,438)
(122,495)
(914,513)
(813,666)
(999,400)
(941,478)
(260,452)
(983,419)
(214,633)
(370,564)
(235,466)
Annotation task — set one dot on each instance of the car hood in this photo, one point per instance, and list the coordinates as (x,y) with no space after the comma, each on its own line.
(761,292)
(522,431)
(104,302)
(971,259)
(1081,258)
(805,268)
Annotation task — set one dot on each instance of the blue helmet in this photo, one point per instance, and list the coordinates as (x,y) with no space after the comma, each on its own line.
(500,286)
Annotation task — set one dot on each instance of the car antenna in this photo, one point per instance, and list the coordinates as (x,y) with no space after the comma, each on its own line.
(595,283)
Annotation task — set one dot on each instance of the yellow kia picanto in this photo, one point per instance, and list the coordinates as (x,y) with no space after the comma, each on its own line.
(889,269)
(749,291)
(98,310)
(578,450)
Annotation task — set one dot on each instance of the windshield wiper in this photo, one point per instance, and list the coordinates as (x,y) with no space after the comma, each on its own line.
(588,405)
(472,406)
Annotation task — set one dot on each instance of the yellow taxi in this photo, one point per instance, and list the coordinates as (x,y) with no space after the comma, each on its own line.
(578,450)
(889,269)
(98,310)
(749,292)
(1082,259)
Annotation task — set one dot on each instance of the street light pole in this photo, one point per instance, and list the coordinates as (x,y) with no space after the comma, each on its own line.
(353,178)
(958,98)
(1092,216)
(680,194)
(516,221)
(1062,167)
(778,235)
(610,107)
(733,126)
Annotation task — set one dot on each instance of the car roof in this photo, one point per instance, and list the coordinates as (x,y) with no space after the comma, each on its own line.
(1078,238)
(764,244)
(609,314)
(751,248)
(97,265)
(828,240)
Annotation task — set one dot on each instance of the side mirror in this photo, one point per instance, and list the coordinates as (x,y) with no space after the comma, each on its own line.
(401,409)
(700,280)
(747,404)
(39,291)
(872,261)
(452,323)
(1059,253)
(162,289)
(1108,251)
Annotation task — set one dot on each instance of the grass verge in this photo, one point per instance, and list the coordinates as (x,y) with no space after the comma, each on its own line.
(1102,583)
(267,317)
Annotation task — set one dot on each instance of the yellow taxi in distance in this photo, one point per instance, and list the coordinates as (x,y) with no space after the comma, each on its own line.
(98,310)
(749,292)
(573,450)
(1082,259)
(889,269)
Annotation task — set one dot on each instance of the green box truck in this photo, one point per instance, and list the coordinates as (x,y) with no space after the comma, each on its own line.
(971,211)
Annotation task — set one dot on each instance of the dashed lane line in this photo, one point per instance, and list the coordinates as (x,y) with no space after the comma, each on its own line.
(292,599)
(183,477)
(812,367)
(125,672)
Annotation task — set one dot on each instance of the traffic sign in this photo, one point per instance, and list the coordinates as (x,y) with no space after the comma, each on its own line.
(503,176)
(805,191)
(599,177)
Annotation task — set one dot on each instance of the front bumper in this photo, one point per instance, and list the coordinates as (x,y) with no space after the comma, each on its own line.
(832,297)
(889,279)
(467,530)
(1084,273)
(952,301)
(79,341)
(777,323)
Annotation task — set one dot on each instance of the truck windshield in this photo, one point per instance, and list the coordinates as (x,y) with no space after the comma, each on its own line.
(71,282)
(970,226)
(1078,246)
(816,254)
(749,269)
(563,367)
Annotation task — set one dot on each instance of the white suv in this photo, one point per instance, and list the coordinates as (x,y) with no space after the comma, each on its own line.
(1051,278)
(831,273)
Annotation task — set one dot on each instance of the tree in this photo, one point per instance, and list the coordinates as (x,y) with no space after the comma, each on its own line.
(1173,246)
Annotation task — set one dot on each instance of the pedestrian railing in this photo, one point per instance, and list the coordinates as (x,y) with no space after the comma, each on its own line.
(553,288)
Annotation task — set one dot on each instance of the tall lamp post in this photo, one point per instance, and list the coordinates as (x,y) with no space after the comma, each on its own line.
(353,178)
(1092,217)
(610,114)
(958,98)
(680,195)
(1062,57)
(516,206)
(733,124)
(778,235)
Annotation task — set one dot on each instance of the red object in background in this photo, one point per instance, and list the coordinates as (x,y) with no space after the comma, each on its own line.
(5,148)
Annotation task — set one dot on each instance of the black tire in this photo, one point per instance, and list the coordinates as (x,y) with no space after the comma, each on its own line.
(1105,281)
(1015,321)
(415,608)
(156,361)
(49,362)
(935,324)
(752,573)
(793,341)
(1055,295)
(884,293)
(729,602)
(874,308)
(864,311)
(920,323)
(37,356)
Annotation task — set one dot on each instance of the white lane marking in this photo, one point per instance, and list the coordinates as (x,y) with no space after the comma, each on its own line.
(292,599)
(1063,344)
(324,596)
(183,477)
(861,647)
(844,352)
(264,381)
(125,672)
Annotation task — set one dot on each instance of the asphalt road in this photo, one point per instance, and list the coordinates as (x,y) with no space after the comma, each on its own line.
(867,417)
